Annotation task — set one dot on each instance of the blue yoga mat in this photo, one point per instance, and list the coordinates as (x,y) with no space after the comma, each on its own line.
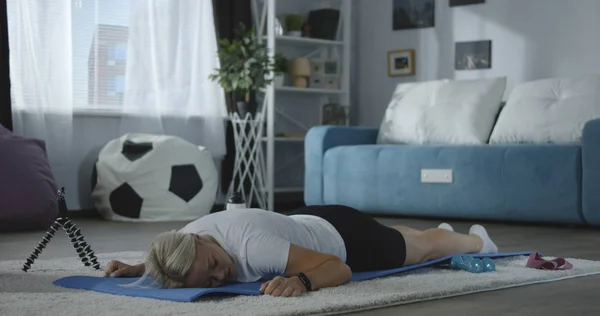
(112,285)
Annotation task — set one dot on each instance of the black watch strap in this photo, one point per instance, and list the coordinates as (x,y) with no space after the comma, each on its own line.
(305,280)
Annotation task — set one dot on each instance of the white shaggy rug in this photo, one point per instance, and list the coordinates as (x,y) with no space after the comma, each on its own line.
(33,293)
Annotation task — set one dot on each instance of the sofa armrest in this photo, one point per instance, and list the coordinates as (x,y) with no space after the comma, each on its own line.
(318,140)
(590,172)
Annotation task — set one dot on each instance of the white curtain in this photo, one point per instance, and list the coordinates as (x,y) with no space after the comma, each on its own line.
(171,52)
(143,63)
(84,72)
(42,73)
(87,71)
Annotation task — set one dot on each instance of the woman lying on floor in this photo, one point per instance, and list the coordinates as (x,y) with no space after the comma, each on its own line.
(311,248)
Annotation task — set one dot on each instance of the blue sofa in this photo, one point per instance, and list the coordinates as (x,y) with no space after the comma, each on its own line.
(552,183)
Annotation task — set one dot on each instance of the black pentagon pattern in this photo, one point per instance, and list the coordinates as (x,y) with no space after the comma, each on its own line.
(134,151)
(185,181)
(94,179)
(125,201)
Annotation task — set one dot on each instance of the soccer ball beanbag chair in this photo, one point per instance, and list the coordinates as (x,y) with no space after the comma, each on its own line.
(151,178)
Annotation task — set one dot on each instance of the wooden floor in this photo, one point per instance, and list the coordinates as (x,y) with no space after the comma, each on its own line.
(575,296)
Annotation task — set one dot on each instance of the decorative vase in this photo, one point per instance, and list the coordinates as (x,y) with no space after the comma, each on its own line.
(243,108)
(278,80)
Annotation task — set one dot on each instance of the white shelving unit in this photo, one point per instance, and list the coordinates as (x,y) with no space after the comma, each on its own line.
(309,90)
(306,41)
(274,107)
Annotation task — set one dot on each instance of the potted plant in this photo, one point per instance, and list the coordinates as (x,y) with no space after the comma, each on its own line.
(280,69)
(293,23)
(245,66)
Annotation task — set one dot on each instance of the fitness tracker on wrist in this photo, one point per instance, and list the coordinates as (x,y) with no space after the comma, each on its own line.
(305,280)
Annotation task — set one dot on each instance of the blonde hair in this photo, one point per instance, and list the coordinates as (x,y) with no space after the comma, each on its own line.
(170,258)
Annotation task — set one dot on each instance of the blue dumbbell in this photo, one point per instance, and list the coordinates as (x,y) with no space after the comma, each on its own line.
(460,263)
(488,265)
(455,261)
(475,266)
(471,264)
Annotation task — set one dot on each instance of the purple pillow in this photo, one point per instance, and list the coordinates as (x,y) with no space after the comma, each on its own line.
(27,187)
(4,132)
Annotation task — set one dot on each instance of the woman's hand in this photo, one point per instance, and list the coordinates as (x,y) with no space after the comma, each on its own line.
(281,286)
(119,269)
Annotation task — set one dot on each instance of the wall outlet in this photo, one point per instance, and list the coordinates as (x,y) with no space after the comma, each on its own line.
(437,176)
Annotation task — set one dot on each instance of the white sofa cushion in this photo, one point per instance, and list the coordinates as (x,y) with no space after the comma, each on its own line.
(442,112)
(548,111)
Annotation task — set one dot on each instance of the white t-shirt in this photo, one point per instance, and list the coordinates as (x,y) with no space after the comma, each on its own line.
(259,241)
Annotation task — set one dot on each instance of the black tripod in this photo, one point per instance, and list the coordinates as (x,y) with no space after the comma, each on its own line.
(84,250)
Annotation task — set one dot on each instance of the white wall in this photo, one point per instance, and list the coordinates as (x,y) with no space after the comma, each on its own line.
(531,39)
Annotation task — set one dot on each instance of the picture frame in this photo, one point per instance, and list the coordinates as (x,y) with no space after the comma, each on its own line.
(333,114)
(401,63)
(324,74)
(324,67)
(413,14)
(458,3)
(473,55)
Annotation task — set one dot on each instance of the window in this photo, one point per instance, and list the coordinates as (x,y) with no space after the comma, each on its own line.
(112,49)
(99,31)
(62,68)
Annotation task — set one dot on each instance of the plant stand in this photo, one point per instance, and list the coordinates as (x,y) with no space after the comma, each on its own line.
(249,170)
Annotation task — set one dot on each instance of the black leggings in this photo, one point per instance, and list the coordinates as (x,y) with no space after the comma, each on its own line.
(370,246)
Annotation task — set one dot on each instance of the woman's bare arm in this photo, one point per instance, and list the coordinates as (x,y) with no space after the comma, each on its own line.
(323,270)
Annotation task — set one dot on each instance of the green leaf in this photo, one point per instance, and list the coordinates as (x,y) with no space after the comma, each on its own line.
(245,63)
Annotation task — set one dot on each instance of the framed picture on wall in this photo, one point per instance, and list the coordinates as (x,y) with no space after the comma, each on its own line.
(413,14)
(473,55)
(401,63)
(456,3)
